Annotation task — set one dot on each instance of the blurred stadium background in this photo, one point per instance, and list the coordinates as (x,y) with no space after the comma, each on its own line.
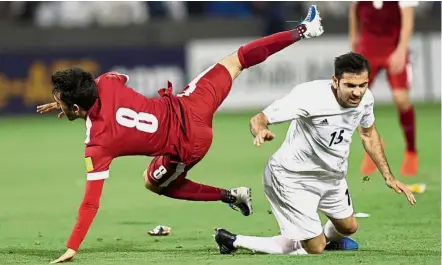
(42,171)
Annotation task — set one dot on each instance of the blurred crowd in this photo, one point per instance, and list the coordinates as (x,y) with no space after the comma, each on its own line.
(103,13)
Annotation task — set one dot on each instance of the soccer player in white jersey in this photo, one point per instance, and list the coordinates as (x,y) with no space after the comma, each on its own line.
(308,171)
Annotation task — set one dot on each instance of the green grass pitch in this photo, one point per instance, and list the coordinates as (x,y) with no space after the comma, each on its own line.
(42,177)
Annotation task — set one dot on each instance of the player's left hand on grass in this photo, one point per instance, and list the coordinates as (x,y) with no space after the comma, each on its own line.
(66,257)
(50,107)
(397,61)
(263,136)
(401,188)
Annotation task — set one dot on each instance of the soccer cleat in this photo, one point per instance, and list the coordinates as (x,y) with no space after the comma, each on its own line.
(243,201)
(225,240)
(344,243)
(311,26)
(410,165)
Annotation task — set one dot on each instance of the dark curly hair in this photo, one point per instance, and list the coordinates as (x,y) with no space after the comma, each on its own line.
(351,63)
(75,86)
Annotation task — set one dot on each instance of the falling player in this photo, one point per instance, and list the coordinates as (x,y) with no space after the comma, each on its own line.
(381,31)
(177,130)
(308,171)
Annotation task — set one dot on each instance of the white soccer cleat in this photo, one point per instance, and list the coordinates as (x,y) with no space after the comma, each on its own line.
(311,26)
(243,201)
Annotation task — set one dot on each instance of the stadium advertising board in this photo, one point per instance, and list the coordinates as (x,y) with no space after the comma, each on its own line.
(25,77)
(304,61)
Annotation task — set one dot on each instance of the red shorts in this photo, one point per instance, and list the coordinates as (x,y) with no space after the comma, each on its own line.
(379,61)
(200,100)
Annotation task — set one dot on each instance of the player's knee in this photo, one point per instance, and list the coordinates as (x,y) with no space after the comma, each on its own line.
(349,230)
(315,246)
(316,249)
(347,227)
(401,99)
(149,184)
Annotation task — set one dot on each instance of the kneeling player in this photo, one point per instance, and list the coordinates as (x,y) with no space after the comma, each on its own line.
(308,172)
(177,130)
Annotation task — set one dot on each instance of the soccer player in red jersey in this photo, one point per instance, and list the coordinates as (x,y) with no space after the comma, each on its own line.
(176,130)
(381,31)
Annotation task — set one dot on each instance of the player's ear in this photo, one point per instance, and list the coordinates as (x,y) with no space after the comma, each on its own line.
(335,82)
(76,109)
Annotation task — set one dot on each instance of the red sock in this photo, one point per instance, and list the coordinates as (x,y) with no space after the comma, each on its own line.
(407,121)
(257,51)
(184,189)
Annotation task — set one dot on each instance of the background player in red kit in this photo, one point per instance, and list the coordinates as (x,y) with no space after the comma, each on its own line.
(177,130)
(381,31)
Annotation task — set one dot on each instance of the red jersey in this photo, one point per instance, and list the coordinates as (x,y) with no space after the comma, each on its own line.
(380,22)
(123,122)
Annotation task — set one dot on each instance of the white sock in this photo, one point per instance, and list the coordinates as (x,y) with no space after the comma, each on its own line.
(270,245)
(330,232)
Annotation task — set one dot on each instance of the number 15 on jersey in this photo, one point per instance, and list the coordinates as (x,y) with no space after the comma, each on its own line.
(336,137)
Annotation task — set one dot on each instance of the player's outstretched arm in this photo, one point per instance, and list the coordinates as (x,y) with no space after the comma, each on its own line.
(259,50)
(372,144)
(86,214)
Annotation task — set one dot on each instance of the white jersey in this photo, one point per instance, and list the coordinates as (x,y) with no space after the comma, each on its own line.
(318,139)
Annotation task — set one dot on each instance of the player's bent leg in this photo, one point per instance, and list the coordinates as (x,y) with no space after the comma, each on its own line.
(161,172)
(337,228)
(167,177)
(336,204)
(338,232)
(295,209)
(209,89)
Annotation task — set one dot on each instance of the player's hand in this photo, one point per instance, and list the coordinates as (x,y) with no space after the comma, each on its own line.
(66,257)
(397,61)
(401,188)
(49,108)
(263,136)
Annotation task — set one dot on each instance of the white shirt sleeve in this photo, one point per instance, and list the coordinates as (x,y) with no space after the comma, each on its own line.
(287,108)
(368,118)
(404,4)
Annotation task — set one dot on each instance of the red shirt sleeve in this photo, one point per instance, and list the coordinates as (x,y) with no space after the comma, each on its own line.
(97,162)
(86,213)
(97,167)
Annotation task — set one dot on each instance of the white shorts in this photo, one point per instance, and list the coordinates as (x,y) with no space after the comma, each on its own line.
(296,199)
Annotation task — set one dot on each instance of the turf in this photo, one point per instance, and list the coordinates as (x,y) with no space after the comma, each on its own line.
(42,181)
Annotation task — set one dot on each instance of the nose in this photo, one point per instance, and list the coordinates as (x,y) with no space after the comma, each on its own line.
(356,93)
